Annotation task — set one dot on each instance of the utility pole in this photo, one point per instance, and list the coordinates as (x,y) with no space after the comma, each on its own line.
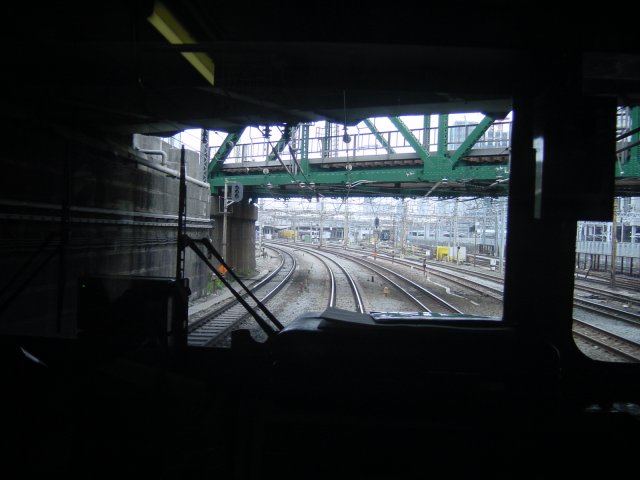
(614,227)
(295,228)
(393,232)
(495,234)
(475,248)
(455,230)
(483,240)
(321,233)
(449,224)
(345,241)
(260,213)
(503,221)
(475,234)
(236,196)
(376,236)
(403,235)
(224,222)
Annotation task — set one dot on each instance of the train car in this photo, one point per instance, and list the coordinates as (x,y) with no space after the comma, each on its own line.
(480,242)
(288,234)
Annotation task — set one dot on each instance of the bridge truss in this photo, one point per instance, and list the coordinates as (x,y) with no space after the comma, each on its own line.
(437,158)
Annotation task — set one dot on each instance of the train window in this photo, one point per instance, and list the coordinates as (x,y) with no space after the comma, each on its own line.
(451,247)
(607,263)
(425,230)
(607,281)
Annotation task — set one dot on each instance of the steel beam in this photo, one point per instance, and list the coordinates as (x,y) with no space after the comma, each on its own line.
(383,175)
(443,135)
(379,137)
(278,148)
(204,154)
(304,148)
(410,137)
(628,163)
(223,151)
(471,140)
(481,179)
(435,167)
(426,127)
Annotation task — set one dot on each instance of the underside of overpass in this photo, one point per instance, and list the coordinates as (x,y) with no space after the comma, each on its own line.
(159,68)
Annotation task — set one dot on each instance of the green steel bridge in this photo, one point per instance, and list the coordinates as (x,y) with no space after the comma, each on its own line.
(438,159)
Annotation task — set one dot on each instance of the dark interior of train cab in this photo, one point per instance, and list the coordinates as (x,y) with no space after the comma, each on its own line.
(109,241)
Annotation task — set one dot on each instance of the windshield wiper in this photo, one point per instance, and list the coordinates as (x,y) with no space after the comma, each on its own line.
(188,241)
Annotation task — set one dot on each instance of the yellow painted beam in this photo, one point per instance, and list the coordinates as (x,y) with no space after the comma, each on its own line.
(171,29)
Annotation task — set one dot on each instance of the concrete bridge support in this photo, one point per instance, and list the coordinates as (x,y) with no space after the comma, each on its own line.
(241,234)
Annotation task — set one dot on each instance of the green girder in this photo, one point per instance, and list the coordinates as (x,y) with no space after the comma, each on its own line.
(223,151)
(471,140)
(369,181)
(443,135)
(441,166)
(289,131)
(635,123)
(410,138)
(435,167)
(376,175)
(379,137)
(426,125)
(304,149)
(631,167)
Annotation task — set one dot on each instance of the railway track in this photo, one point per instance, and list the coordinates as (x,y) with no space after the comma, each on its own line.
(341,281)
(223,320)
(617,346)
(207,330)
(490,286)
(423,298)
(623,348)
(604,278)
(629,301)
(629,317)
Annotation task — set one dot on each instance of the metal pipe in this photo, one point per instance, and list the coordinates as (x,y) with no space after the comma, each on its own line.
(168,171)
(154,152)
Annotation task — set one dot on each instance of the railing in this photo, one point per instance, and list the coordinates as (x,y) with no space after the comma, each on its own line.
(498,136)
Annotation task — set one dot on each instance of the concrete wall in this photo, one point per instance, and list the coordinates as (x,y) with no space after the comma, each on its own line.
(145,142)
(72,206)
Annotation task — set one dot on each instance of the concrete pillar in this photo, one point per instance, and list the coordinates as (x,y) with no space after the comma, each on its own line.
(241,231)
